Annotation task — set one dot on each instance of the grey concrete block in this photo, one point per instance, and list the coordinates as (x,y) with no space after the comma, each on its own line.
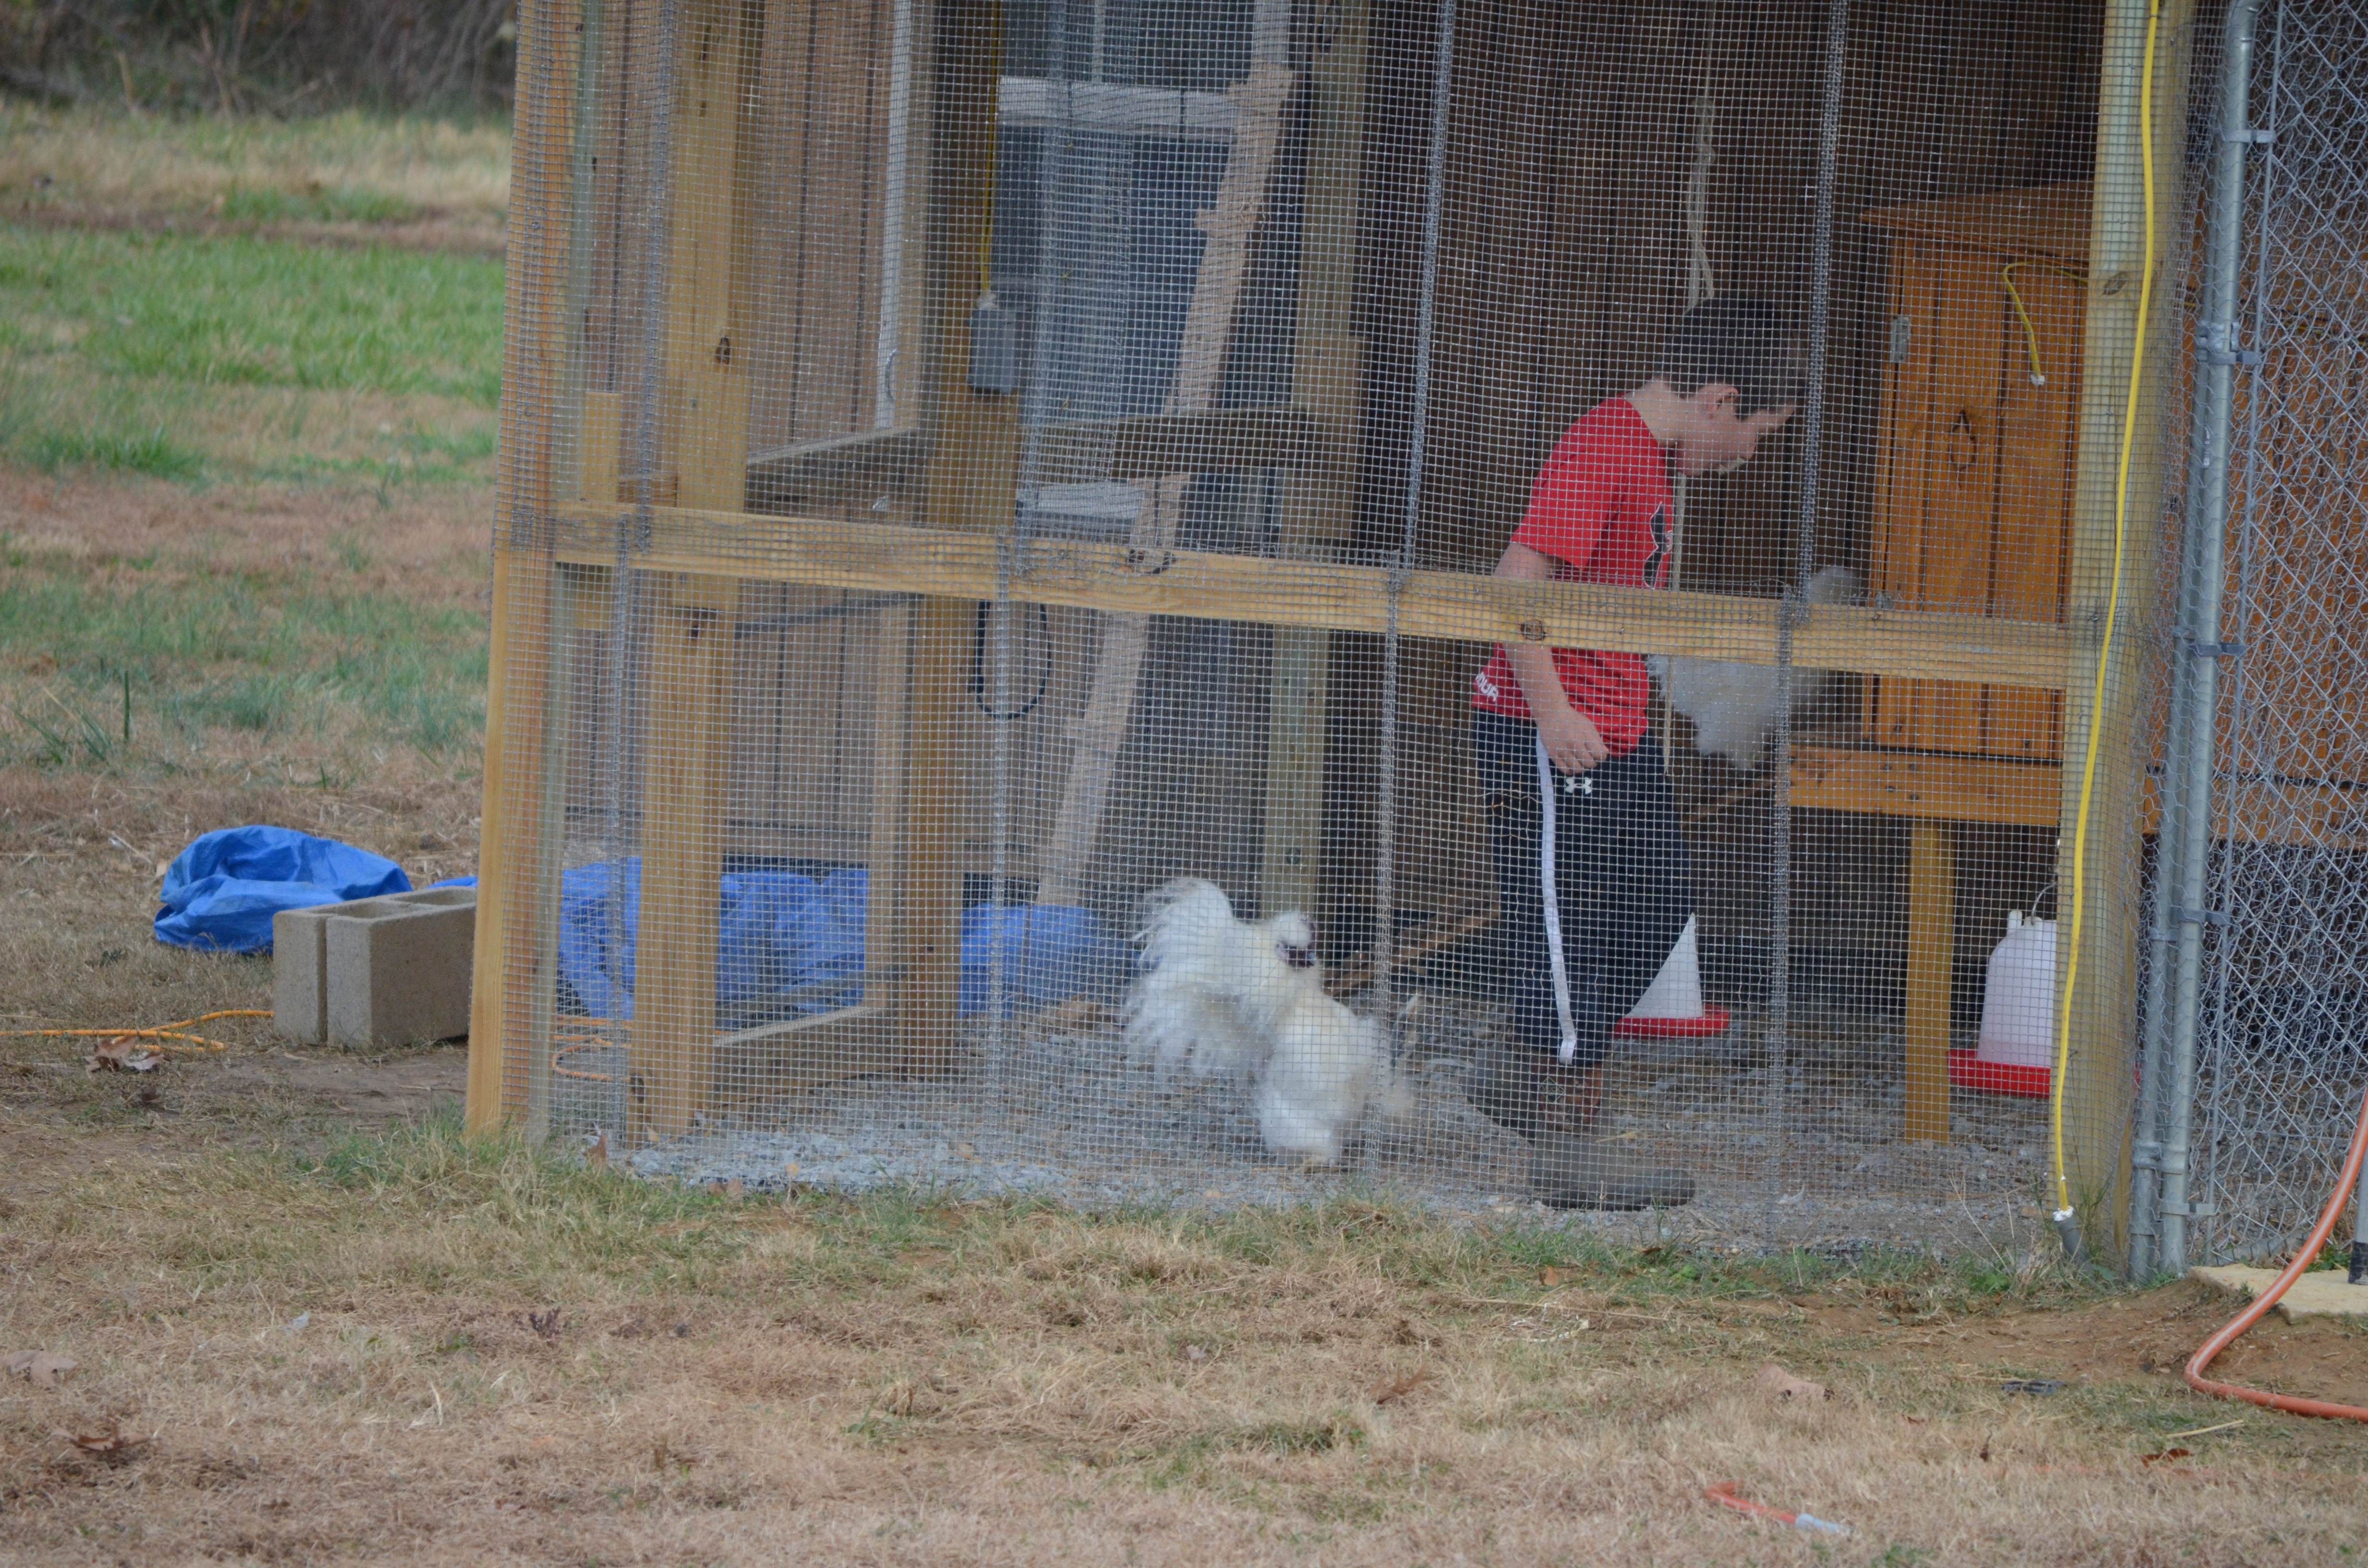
(376,971)
(398,967)
(299,984)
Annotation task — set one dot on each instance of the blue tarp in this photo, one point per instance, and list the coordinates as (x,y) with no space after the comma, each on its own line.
(788,944)
(221,892)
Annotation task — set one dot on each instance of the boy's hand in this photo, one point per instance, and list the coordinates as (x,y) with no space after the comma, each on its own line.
(1573,742)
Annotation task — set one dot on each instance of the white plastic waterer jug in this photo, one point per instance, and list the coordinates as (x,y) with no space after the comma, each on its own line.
(2019,996)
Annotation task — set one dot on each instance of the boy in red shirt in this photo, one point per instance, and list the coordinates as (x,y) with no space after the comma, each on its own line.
(1584,944)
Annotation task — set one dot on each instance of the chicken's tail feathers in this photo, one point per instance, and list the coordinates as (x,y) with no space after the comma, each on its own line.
(1187,933)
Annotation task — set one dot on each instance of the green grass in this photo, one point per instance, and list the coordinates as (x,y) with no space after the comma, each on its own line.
(344,204)
(200,649)
(234,311)
(153,454)
(192,359)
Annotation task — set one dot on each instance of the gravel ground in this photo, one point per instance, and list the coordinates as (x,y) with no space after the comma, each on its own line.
(1057,1111)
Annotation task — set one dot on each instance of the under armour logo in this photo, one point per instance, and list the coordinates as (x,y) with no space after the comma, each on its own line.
(1577,785)
(1660,551)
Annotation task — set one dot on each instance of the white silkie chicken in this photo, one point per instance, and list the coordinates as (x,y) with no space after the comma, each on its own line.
(1734,706)
(1224,997)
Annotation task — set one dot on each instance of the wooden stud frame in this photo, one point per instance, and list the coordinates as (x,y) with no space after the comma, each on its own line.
(972,563)
(2103,1006)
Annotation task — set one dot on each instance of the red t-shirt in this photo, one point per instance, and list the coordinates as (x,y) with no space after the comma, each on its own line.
(1602,509)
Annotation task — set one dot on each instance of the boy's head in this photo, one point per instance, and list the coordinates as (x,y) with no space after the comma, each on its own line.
(1733,371)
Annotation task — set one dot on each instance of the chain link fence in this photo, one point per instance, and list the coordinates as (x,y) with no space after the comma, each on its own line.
(2283,1037)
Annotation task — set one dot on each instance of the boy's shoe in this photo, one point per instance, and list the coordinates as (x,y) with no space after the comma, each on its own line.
(1531,1095)
(1582,1173)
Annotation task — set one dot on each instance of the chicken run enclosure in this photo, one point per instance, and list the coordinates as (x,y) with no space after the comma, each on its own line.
(966,465)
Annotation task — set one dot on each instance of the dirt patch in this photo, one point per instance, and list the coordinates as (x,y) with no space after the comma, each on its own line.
(427,549)
(466,234)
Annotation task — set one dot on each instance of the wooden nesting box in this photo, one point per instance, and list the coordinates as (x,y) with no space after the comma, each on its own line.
(1974,458)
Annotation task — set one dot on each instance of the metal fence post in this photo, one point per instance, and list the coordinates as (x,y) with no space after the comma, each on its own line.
(2186,844)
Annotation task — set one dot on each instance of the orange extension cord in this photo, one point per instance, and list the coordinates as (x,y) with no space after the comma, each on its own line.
(2345,1185)
(163,1037)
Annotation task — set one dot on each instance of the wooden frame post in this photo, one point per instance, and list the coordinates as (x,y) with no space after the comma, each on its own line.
(2101,1005)
(1931,943)
(968,487)
(1319,507)
(703,454)
(509,1013)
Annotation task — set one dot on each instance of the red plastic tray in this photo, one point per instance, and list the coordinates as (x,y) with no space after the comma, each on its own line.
(1968,1071)
(1712,1022)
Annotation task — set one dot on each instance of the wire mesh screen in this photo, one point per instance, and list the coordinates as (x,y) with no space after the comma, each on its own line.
(2282,1044)
(1145,601)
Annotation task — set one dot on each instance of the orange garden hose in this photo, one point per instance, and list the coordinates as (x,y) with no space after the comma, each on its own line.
(2304,1255)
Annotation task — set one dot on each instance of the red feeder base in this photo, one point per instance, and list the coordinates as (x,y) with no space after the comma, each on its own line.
(1968,1071)
(1712,1022)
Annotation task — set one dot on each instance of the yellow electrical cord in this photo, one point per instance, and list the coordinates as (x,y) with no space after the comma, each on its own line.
(2112,612)
(2030,330)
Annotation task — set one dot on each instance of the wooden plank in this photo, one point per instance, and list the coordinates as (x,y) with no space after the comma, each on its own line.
(1994,789)
(2098,962)
(513,968)
(2034,516)
(1459,606)
(809,476)
(2325,815)
(883,848)
(758,1065)
(1960,502)
(703,461)
(1319,507)
(1895,555)
(1308,437)
(1904,784)
(1932,946)
(968,499)
(599,443)
(2047,221)
(1199,361)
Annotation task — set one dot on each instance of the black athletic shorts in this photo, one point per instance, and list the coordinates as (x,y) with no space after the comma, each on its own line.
(1621,878)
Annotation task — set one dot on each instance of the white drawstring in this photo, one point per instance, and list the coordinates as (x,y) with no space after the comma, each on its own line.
(1569,1051)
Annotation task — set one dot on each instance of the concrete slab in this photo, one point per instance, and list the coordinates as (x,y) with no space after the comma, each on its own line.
(2320,1294)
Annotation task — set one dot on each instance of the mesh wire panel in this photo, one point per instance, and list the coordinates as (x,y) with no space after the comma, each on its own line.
(2282,1060)
(1036,538)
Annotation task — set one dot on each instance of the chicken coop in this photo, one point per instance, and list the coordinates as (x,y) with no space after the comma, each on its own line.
(967,464)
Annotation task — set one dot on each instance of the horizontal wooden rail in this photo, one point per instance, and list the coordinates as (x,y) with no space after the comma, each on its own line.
(1910,784)
(1459,606)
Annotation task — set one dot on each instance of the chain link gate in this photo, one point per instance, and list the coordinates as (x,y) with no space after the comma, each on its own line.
(2283,1033)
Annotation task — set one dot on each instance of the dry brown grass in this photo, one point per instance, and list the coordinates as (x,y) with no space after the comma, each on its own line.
(429,547)
(345,177)
(895,1381)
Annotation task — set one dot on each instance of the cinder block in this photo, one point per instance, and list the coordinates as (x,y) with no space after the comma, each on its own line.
(375,971)
(299,984)
(398,967)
